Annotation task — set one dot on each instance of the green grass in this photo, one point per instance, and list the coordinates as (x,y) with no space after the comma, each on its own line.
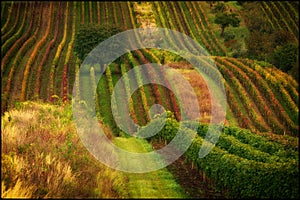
(120,98)
(156,184)
(105,105)
(240,104)
(230,117)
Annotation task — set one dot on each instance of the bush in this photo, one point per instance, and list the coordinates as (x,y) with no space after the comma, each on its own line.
(89,36)
(229,35)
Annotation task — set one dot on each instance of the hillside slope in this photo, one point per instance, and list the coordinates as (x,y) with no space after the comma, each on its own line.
(42,156)
(38,61)
(257,154)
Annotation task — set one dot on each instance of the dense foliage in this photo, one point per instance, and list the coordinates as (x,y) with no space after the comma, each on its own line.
(247,166)
(89,36)
(44,44)
(272,40)
(224,20)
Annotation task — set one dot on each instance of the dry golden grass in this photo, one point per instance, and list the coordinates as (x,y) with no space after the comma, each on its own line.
(43,157)
(19,190)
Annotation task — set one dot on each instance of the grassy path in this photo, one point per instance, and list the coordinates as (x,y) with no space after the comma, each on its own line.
(156,184)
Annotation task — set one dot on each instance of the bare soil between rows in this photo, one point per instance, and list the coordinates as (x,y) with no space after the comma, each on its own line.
(190,179)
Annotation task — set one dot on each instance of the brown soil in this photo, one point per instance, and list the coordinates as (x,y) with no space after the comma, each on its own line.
(190,179)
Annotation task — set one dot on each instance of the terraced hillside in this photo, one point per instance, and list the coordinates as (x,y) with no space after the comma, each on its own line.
(38,61)
(260,138)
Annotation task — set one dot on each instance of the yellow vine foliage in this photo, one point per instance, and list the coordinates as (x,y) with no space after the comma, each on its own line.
(70,45)
(5,59)
(82,13)
(8,19)
(62,43)
(33,54)
(58,52)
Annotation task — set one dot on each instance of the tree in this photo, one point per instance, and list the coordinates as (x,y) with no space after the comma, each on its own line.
(89,36)
(275,46)
(259,45)
(225,20)
(282,37)
(285,57)
(219,8)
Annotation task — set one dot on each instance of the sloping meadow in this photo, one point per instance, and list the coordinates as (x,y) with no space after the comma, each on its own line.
(43,157)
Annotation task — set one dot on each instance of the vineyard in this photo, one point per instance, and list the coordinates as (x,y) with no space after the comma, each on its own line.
(257,152)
